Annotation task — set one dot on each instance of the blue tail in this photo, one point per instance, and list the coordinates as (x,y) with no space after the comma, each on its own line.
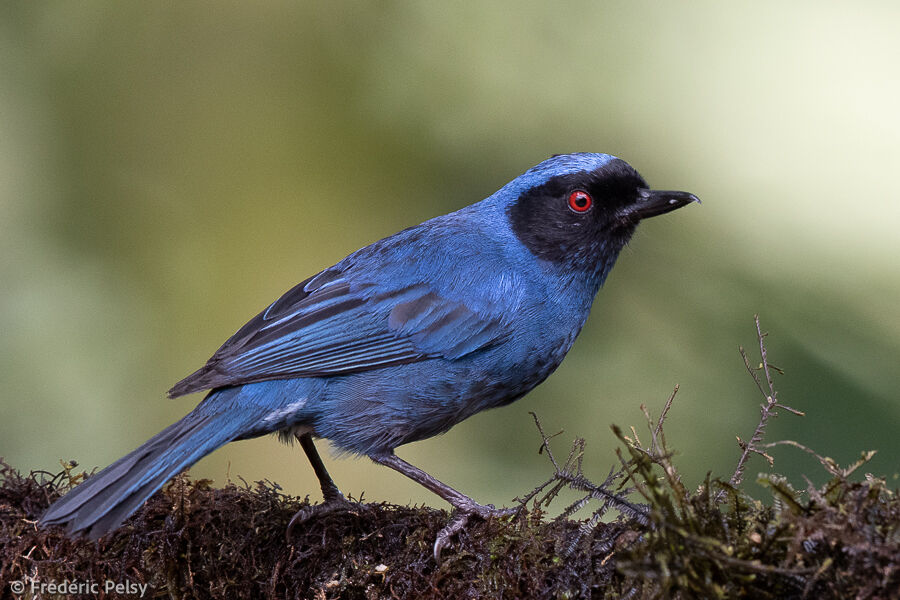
(103,501)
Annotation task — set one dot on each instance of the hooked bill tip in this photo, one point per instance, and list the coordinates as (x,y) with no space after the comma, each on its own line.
(658,202)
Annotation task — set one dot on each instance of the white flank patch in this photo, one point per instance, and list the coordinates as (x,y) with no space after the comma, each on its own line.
(286,411)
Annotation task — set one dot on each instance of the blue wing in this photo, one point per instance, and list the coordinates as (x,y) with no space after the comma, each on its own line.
(331,324)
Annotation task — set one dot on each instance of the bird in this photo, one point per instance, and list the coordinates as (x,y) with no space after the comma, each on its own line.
(402,339)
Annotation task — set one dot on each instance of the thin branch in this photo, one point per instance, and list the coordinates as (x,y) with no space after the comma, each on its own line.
(665,410)
(545,440)
(752,371)
(765,360)
(570,475)
(767,410)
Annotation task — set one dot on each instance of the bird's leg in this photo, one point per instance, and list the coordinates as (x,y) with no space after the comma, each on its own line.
(457,499)
(330,491)
(465,505)
(333,499)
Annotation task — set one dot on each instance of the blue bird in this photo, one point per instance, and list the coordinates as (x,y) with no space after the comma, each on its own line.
(402,339)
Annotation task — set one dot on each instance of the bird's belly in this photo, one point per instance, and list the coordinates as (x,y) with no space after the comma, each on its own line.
(379,410)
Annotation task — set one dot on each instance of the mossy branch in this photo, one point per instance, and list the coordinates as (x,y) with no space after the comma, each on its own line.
(646,535)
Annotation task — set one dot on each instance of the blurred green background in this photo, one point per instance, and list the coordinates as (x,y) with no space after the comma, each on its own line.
(167,170)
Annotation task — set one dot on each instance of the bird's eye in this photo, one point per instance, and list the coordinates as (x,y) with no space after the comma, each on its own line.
(580,201)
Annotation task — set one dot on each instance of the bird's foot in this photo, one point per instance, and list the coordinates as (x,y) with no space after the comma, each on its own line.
(461,519)
(334,504)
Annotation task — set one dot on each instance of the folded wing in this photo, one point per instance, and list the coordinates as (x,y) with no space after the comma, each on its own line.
(332,325)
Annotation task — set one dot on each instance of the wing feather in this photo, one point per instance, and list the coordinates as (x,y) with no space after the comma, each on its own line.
(332,325)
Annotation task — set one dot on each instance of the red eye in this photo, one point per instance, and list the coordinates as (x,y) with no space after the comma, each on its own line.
(580,201)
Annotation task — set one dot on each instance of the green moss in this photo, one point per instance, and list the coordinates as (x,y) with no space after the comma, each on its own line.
(195,541)
(191,540)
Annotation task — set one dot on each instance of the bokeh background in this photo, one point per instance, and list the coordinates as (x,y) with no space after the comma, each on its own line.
(167,170)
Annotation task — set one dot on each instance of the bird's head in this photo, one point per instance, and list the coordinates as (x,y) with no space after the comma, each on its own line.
(579,210)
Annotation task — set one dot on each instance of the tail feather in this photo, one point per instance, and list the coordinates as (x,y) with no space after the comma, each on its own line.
(105,500)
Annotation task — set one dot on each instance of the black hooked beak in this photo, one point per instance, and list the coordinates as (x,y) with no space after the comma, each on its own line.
(651,203)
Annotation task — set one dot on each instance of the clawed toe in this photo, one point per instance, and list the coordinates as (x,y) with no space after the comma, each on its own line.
(488,511)
(461,519)
(328,507)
